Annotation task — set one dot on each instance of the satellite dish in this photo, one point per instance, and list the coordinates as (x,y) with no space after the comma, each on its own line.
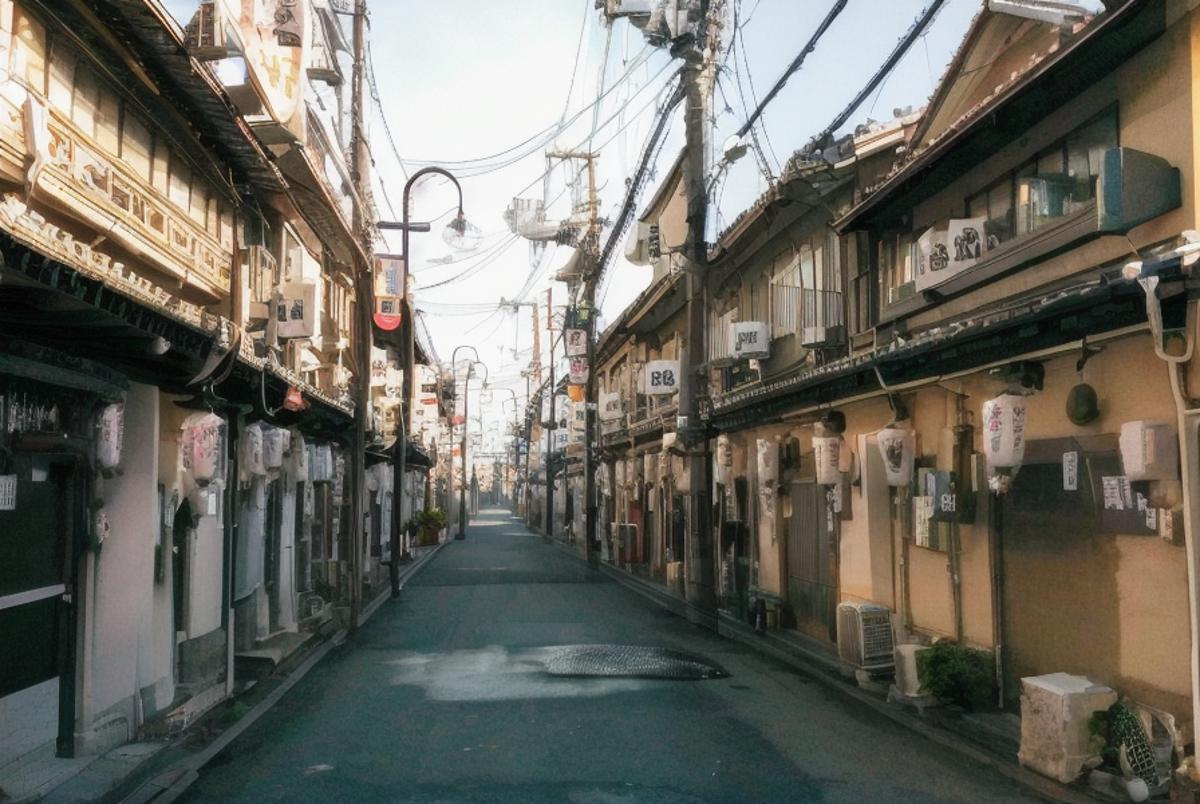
(461,235)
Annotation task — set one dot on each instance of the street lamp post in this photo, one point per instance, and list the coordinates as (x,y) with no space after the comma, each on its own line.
(462,523)
(459,224)
(514,435)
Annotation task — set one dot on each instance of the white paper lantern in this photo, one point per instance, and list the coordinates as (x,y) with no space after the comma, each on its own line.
(1004,431)
(273,446)
(650,467)
(320,468)
(1149,451)
(251,451)
(828,452)
(111,436)
(897,447)
(768,461)
(298,456)
(681,475)
(768,478)
(619,471)
(201,446)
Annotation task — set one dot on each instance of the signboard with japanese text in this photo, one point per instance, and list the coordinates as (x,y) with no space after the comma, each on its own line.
(661,377)
(390,282)
(576,341)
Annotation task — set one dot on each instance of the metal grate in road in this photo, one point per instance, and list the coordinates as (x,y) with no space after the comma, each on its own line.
(629,661)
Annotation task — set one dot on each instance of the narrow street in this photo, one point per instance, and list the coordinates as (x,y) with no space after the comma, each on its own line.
(433,701)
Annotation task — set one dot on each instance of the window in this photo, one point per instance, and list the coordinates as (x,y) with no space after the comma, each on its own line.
(293,267)
(162,167)
(1055,183)
(198,206)
(62,77)
(29,51)
(137,146)
(995,206)
(85,100)
(180,184)
(896,258)
(108,121)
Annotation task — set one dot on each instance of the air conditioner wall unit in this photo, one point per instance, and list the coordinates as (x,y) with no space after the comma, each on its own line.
(864,636)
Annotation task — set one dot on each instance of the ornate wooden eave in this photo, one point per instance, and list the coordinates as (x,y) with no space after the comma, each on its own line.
(140,39)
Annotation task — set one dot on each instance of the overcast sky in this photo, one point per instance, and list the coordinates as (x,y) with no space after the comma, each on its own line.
(461,80)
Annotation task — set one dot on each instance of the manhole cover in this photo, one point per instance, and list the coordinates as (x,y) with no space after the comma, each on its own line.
(629,661)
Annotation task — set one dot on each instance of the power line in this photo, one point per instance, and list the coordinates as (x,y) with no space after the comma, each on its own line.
(540,138)
(902,47)
(796,63)
(578,53)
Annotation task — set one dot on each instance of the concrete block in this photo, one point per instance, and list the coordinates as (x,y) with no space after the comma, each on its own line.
(1055,709)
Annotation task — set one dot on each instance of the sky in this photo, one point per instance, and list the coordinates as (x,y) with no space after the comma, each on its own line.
(464,79)
(476,87)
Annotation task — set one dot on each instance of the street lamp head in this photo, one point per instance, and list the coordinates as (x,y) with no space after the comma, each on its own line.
(461,235)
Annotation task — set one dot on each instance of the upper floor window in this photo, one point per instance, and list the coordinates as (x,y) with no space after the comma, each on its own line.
(29,51)
(1055,183)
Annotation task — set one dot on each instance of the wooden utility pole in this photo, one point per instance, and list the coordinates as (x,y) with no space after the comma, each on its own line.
(698,63)
(550,425)
(364,297)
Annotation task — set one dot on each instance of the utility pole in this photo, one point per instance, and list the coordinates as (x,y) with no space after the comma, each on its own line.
(359,159)
(550,425)
(699,60)
(697,43)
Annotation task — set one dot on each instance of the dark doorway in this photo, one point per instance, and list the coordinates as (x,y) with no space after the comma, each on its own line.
(812,562)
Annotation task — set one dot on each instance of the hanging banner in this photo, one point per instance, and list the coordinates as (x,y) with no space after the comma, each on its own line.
(578,371)
(610,406)
(390,282)
(379,367)
(576,340)
(661,377)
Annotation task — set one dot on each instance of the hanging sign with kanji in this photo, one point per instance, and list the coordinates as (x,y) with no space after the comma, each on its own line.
(661,377)
(579,370)
(576,342)
(390,282)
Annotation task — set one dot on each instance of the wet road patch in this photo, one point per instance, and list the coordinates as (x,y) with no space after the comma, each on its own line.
(628,661)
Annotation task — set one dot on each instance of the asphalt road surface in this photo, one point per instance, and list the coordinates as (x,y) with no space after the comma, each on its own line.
(444,696)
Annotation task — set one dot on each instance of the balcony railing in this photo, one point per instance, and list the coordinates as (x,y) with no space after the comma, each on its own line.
(817,316)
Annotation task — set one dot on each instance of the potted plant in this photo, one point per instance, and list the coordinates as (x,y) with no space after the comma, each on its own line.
(429,524)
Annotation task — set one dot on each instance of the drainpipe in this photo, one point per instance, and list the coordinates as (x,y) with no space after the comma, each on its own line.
(1188,420)
(963,441)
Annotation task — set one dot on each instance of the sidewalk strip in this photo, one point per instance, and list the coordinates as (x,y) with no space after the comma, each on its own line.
(176,779)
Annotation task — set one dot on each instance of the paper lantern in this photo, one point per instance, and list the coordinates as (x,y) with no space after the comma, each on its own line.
(897,447)
(1004,431)
(828,452)
(650,466)
(298,456)
(111,435)
(768,478)
(768,461)
(201,447)
(320,463)
(681,474)
(273,446)
(1149,451)
(251,451)
(619,474)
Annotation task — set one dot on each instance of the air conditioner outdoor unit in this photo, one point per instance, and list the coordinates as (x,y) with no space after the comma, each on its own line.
(864,636)
(205,33)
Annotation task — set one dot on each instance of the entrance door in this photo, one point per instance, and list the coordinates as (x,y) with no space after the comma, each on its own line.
(811,562)
(36,616)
